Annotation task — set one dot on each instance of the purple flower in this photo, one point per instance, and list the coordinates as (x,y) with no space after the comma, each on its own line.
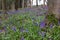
(51,25)
(0,31)
(42,24)
(36,24)
(43,34)
(5,28)
(59,10)
(46,7)
(14,28)
(58,22)
(10,12)
(27,9)
(39,33)
(17,11)
(26,30)
(21,29)
(22,38)
(33,19)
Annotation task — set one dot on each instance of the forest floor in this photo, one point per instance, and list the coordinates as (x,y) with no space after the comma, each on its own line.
(28,24)
(38,10)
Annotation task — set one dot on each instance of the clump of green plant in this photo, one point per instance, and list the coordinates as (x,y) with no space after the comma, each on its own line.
(52,19)
(26,27)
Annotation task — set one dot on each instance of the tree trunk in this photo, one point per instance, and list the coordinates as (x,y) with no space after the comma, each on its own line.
(36,2)
(16,4)
(44,2)
(25,3)
(13,6)
(4,7)
(30,3)
(54,7)
(22,3)
(0,4)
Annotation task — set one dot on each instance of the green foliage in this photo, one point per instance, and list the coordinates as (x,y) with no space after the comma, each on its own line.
(52,19)
(27,27)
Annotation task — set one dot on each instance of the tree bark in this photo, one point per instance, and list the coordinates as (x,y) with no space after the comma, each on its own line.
(13,6)
(54,7)
(0,4)
(36,2)
(44,2)
(4,7)
(25,3)
(22,3)
(16,4)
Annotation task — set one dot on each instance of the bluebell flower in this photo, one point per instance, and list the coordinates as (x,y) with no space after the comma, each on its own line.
(58,22)
(22,38)
(10,12)
(36,24)
(46,7)
(17,11)
(43,34)
(59,10)
(51,25)
(39,33)
(26,30)
(33,19)
(0,31)
(42,24)
(21,29)
(27,9)
(14,28)
(5,28)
